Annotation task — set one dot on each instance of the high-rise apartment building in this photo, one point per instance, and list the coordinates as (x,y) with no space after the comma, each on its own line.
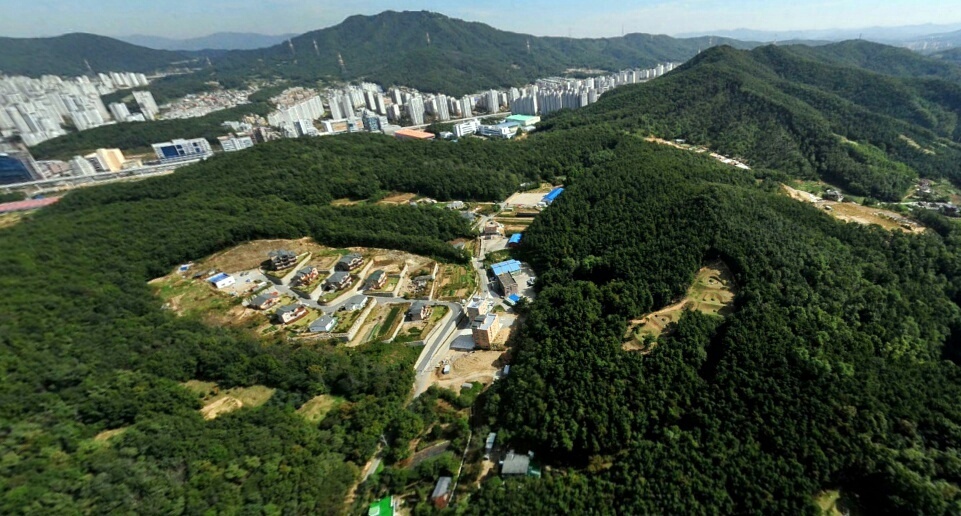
(148,106)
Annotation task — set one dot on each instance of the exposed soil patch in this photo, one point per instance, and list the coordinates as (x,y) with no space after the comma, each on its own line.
(712,293)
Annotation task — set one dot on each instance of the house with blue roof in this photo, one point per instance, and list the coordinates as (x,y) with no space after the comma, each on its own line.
(553,195)
(514,240)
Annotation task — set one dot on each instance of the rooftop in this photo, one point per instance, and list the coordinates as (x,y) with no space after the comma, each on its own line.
(218,277)
(506,267)
(413,133)
(515,238)
(554,194)
(484,322)
(442,487)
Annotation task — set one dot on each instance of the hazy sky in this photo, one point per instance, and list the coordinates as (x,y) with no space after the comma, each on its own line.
(189,18)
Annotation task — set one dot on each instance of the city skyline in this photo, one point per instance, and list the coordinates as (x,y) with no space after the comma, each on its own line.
(118,18)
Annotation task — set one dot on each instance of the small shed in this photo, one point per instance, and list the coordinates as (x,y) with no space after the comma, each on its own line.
(441,495)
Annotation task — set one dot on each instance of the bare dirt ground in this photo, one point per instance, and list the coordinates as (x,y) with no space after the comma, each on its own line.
(217,402)
(251,254)
(525,198)
(107,434)
(712,293)
(852,212)
(470,366)
(397,198)
(344,202)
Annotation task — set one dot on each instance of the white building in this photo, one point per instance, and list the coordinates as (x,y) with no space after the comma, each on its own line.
(148,106)
(180,149)
(415,110)
(467,127)
(235,143)
(119,111)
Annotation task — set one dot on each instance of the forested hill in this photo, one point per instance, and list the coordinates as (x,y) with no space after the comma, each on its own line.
(868,133)
(883,59)
(459,57)
(830,372)
(69,54)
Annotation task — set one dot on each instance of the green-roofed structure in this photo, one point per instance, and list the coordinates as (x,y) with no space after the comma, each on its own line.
(384,507)
(524,120)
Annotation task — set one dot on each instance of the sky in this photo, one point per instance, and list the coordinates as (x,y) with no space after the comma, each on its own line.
(192,18)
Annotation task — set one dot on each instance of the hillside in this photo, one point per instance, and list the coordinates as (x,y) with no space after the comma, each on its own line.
(69,55)
(460,57)
(868,133)
(883,59)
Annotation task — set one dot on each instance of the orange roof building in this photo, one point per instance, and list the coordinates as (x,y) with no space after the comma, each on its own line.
(413,134)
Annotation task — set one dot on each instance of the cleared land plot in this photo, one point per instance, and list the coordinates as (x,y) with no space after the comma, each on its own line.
(398,198)
(455,282)
(344,202)
(525,198)
(217,402)
(851,212)
(712,293)
(472,366)
(381,323)
(319,406)
(252,254)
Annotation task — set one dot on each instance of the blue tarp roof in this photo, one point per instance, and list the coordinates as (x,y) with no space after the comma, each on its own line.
(515,238)
(553,195)
(218,277)
(505,267)
(514,297)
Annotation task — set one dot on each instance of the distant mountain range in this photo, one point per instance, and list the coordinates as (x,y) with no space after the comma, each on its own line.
(887,35)
(867,117)
(217,41)
(429,51)
(433,52)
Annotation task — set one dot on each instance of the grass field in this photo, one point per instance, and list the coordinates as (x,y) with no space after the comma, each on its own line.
(216,401)
(345,320)
(319,406)
(712,293)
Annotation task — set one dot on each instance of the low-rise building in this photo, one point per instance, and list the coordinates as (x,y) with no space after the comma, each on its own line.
(477,306)
(508,284)
(493,228)
(514,240)
(376,281)
(356,303)
(306,276)
(264,301)
(349,262)
(325,324)
(338,281)
(282,259)
(413,134)
(419,311)
(484,330)
(222,280)
(515,464)
(290,313)
(440,497)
